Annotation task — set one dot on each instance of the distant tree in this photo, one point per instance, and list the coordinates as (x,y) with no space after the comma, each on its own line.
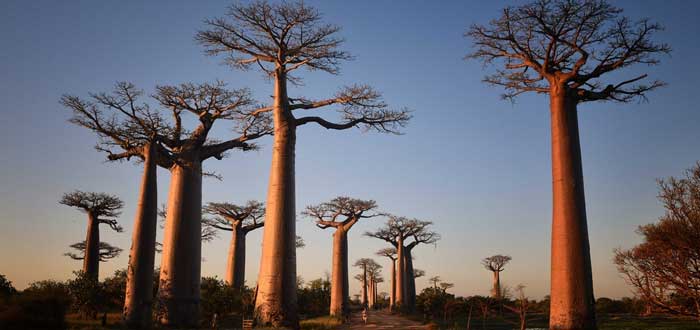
(100,208)
(404,234)
(496,265)
(341,214)
(106,253)
(391,254)
(564,48)
(299,242)
(278,39)
(435,280)
(239,220)
(520,307)
(663,268)
(446,286)
(418,273)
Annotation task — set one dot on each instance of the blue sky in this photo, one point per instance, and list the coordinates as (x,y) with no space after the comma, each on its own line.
(477,166)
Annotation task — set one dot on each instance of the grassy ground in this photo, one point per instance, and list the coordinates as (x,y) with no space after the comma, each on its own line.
(618,322)
(320,323)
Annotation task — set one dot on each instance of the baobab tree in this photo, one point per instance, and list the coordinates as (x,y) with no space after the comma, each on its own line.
(391,254)
(564,48)
(128,129)
(101,209)
(239,220)
(279,39)
(180,271)
(435,280)
(106,251)
(362,278)
(405,234)
(368,267)
(418,273)
(373,275)
(496,264)
(341,213)
(142,133)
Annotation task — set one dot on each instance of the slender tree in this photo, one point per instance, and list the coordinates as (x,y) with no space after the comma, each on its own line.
(279,39)
(391,254)
(364,264)
(106,251)
(341,213)
(496,264)
(128,129)
(239,220)
(100,208)
(405,234)
(564,48)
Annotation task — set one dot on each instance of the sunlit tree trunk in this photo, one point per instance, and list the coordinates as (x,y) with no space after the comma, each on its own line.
(392,296)
(235,269)
(276,302)
(139,284)
(496,285)
(400,276)
(364,287)
(91,261)
(178,291)
(410,282)
(339,276)
(572,302)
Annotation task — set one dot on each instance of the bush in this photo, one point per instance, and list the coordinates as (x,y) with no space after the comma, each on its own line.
(219,298)
(88,294)
(42,305)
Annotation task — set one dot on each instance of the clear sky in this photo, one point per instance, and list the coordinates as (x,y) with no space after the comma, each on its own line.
(477,166)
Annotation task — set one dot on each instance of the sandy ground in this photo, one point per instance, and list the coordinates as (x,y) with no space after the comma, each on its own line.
(381,320)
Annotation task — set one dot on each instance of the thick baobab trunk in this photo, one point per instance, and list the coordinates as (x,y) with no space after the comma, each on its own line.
(235,269)
(178,291)
(410,298)
(496,285)
(392,296)
(572,302)
(139,283)
(339,276)
(276,302)
(91,260)
(400,276)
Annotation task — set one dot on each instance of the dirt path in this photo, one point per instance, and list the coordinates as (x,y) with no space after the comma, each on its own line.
(381,320)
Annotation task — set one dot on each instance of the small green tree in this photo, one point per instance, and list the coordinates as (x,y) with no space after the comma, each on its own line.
(88,295)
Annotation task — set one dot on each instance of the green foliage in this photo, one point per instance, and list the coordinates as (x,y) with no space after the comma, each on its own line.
(321,323)
(42,305)
(89,295)
(221,299)
(432,301)
(315,298)
(6,288)
(115,290)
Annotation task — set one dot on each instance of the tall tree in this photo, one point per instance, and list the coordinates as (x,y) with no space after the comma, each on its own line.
(128,129)
(279,39)
(564,48)
(435,280)
(496,264)
(405,234)
(100,208)
(391,254)
(341,213)
(663,269)
(180,270)
(239,220)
